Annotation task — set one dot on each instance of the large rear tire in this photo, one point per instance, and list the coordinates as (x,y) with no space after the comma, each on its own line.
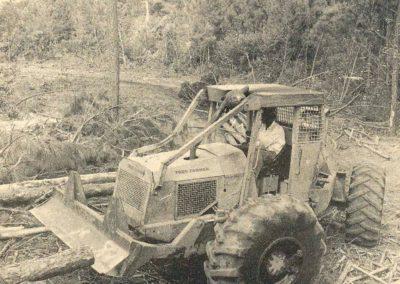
(365,205)
(274,239)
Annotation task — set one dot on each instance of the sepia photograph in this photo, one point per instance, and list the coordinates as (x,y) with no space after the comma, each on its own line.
(199,141)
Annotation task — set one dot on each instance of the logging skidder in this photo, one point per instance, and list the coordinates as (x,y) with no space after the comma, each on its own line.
(250,202)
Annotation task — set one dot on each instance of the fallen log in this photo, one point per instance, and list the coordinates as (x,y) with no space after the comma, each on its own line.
(101,189)
(10,234)
(23,193)
(88,178)
(47,267)
(14,196)
(11,228)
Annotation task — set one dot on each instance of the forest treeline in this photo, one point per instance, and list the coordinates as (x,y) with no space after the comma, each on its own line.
(337,46)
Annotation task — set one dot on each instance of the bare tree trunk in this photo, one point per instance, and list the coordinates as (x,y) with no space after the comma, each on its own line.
(116,57)
(122,47)
(146,21)
(395,74)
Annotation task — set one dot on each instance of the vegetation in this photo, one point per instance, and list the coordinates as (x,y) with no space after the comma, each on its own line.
(287,41)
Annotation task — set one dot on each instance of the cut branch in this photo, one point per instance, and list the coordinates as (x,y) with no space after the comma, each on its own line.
(6,247)
(11,141)
(370,275)
(36,95)
(79,130)
(336,111)
(365,145)
(346,270)
(376,271)
(310,77)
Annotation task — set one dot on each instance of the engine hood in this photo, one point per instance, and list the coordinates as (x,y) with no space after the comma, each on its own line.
(215,159)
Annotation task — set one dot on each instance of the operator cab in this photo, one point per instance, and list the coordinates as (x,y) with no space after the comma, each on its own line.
(298,112)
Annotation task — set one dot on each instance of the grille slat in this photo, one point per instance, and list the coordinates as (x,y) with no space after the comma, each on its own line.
(284,115)
(310,127)
(132,190)
(194,197)
(310,124)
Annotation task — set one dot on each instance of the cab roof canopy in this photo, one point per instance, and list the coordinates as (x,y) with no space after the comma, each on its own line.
(269,95)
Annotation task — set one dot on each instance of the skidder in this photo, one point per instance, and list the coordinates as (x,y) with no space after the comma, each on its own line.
(251,207)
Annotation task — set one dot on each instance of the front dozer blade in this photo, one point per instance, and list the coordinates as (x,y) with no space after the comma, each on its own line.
(76,231)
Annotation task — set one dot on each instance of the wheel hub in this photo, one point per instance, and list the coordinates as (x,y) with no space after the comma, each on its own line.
(281,262)
(276,263)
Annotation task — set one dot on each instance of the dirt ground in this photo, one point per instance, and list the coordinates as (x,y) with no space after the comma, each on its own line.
(148,89)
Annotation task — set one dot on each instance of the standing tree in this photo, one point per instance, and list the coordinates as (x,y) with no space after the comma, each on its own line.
(115,36)
(395,73)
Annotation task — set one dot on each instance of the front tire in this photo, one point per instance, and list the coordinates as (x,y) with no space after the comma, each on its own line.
(365,205)
(274,239)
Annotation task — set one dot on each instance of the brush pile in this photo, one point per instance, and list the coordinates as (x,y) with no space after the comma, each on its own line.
(64,124)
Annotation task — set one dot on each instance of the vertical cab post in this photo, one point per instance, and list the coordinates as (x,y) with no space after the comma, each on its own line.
(307,137)
(250,119)
(249,188)
(212,109)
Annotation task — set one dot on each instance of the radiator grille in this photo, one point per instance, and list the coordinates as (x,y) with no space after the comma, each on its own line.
(310,124)
(132,189)
(194,197)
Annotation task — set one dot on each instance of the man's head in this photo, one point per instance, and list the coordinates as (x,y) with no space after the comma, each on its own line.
(268,116)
